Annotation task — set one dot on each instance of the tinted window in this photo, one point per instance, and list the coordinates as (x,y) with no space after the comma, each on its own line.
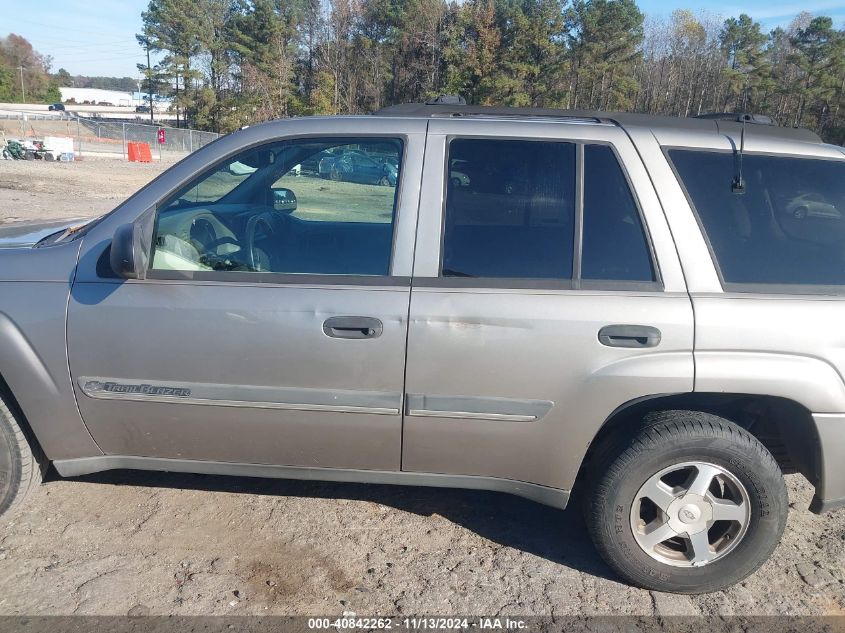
(615,246)
(322,206)
(789,226)
(510,209)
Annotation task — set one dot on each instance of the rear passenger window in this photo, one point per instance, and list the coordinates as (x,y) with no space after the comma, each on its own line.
(788,228)
(615,246)
(510,209)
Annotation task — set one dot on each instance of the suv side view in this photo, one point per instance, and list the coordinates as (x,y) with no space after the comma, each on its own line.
(644,310)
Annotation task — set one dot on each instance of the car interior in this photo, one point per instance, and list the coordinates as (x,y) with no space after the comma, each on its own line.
(231,219)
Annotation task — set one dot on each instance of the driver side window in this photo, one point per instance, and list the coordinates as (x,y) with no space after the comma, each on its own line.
(305,206)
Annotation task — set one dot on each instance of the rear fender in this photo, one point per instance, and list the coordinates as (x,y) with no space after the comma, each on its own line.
(811,382)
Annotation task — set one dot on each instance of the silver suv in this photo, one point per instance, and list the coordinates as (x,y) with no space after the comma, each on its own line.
(645,311)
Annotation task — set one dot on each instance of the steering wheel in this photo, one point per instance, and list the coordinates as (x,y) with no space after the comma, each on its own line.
(266,220)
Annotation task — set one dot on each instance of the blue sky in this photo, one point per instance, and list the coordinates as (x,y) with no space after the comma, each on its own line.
(770,14)
(96,37)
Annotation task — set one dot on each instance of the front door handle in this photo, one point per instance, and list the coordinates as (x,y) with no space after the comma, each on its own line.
(355,327)
(629,336)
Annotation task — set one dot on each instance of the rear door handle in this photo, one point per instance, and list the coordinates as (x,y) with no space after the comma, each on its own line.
(629,336)
(355,327)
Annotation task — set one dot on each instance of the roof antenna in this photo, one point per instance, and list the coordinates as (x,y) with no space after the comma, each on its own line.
(738,183)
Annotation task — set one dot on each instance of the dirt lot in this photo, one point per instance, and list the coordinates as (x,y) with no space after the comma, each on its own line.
(138,543)
(36,190)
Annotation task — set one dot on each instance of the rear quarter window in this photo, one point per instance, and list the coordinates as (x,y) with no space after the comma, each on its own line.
(787,229)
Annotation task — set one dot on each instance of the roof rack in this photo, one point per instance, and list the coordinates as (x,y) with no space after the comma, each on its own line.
(447,100)
(719,123)
(742,117)
(453,106)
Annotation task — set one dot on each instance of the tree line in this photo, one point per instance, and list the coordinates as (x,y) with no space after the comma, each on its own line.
(229,63)
(25,73)
(122,84)
(234,62)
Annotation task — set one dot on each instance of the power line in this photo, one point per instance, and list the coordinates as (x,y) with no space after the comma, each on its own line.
(90,45)
(95,55)
(57,27)
(69,59)
(78,43)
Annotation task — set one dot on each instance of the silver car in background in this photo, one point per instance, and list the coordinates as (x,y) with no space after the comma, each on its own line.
(647,311)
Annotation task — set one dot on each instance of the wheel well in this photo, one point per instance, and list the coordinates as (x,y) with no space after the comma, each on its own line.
(783,426)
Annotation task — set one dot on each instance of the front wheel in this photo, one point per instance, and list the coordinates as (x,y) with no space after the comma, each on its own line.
(692,504)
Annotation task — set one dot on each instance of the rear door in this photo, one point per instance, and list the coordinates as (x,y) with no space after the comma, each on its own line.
(264,333)
(546,293)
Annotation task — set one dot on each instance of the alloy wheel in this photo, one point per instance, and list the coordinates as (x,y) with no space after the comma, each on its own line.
(690,514)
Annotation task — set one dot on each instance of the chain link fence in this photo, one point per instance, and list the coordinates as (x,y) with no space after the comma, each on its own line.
(104,137)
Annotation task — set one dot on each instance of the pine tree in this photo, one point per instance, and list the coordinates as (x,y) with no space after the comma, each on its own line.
(742,43)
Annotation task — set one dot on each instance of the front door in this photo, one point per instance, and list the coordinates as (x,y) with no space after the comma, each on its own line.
(271,326)
(540,302)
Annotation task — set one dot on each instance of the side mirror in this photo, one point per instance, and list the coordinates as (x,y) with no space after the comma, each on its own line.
(284,200)
(128,257)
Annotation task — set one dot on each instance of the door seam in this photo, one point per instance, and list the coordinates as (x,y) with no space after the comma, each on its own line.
(402,411)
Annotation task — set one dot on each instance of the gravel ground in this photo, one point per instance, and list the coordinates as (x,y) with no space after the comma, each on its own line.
(145,543)
(37,190)
(119,543)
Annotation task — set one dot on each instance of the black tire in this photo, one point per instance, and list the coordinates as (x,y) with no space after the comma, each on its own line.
(621,467)
(20,471)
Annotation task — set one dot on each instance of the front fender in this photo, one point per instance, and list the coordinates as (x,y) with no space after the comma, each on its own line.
(33,363)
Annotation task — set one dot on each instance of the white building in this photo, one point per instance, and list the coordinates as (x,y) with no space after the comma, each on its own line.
(96,96)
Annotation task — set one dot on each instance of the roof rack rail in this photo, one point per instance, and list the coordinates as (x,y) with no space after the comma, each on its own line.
(739,117)
(720,123)
(447,100)
(454,106)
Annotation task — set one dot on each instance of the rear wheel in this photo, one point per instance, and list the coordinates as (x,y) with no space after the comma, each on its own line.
(692,504)
(19,468)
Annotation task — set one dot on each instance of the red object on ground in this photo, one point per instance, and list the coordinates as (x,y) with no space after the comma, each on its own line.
(139,152)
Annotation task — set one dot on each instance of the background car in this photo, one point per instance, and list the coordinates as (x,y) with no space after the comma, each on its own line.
(812,205)
(355,166)
(56,107)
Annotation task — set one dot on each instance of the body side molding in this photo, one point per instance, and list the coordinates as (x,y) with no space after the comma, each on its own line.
(246,396)
(476,408)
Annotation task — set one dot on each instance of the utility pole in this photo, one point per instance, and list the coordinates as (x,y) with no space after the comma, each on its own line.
(23,92)
(150,83)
